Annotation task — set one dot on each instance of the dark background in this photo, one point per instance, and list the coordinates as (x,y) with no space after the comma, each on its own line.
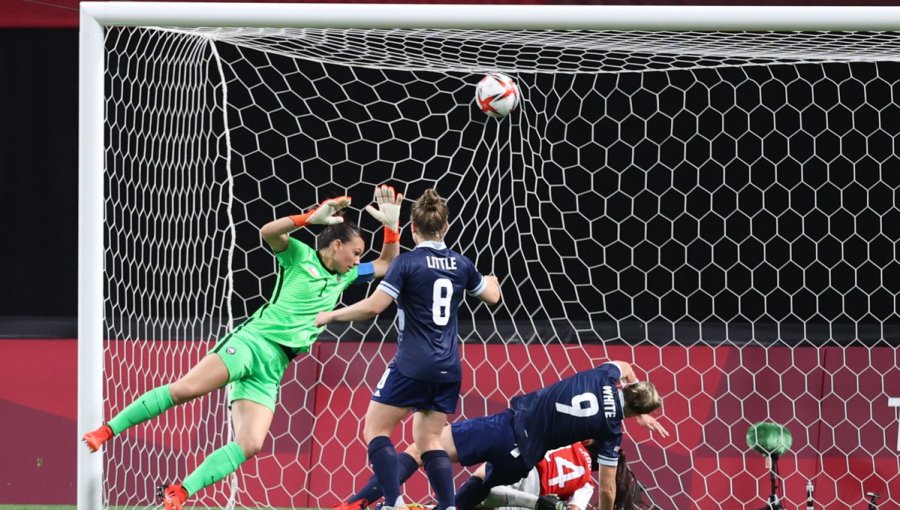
(742,197)
(38,173)
(648,262)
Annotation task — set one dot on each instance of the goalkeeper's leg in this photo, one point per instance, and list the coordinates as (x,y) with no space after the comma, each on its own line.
(251,424)
(205,377)
(257,369)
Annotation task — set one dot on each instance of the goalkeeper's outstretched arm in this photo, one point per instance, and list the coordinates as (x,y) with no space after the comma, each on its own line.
(387,212)
(276,233)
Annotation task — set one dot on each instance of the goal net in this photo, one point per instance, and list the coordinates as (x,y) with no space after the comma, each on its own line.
(722,209)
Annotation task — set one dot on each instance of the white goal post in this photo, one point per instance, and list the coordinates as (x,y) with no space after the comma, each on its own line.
(96,17)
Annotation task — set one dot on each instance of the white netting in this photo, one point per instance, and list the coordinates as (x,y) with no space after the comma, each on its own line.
(720,209)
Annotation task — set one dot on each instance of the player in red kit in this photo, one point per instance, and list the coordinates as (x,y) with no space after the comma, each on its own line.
(564,473)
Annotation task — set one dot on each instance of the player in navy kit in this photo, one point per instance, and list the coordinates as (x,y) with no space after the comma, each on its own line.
(588,405)
(425,375)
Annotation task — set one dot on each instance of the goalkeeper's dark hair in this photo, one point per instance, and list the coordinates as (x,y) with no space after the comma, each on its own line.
(343,232)
(641,397)
(430,213)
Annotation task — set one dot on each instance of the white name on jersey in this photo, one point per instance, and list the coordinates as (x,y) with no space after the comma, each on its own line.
(441,263)
(609,402)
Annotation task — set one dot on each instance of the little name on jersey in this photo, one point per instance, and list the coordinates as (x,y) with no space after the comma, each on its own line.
(448,263)
(609,402)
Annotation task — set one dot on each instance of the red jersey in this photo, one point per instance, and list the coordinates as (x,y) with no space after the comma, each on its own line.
(565,470)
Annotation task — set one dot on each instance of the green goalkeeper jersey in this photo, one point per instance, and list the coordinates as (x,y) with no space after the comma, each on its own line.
(304,288)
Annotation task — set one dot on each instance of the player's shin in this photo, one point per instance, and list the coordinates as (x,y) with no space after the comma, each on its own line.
(383,458)
(471,494)
(147,406)
(440,475)
(217,466)
(371,491)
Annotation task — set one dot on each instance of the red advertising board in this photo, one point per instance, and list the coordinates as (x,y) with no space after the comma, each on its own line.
(833,399)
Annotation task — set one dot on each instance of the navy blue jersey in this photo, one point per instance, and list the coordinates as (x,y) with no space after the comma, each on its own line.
(428,284)
(586,405)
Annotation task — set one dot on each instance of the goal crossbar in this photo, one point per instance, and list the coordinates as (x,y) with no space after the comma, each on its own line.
(97,15)
(509,17)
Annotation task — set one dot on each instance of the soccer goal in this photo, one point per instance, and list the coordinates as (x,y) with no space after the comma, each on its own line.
(710,193)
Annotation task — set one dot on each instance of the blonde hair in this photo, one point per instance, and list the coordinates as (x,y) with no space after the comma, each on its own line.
(641,397)
(429,214)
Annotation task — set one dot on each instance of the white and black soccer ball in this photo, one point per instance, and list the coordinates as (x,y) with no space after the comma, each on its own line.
(497,95)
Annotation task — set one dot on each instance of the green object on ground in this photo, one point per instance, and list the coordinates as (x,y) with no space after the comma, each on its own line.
(769,438)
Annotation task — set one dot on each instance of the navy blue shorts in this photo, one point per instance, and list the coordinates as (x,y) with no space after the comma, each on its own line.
(490,439)
(395,389)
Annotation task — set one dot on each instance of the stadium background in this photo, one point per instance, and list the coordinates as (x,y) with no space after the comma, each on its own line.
(38,305)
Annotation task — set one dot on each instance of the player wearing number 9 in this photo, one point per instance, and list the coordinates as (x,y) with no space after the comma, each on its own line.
(252,357)
(588,405)
(428,284)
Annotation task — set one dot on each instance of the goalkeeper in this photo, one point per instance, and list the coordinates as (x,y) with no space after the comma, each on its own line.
(252,358)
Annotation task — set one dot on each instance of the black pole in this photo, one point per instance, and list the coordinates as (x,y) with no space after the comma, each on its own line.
(773,503)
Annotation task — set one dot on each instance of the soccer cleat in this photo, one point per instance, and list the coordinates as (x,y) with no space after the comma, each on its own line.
(172,495)
(94,440)
(359,504)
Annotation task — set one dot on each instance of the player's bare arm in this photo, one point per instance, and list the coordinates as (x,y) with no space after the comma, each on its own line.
(627,372)
(628,376)
(491,294)
(607,491)
(359,311)
(276,233)
(651,423)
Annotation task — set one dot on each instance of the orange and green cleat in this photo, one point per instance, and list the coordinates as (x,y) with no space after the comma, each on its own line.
(172,495)
(94,440)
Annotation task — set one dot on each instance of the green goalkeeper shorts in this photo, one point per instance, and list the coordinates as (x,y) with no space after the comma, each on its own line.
(255,367)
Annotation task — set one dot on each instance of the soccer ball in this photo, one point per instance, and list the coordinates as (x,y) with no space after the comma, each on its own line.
(497,95)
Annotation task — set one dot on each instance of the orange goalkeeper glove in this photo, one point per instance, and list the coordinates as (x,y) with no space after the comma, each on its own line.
(387,212)
(324,214)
